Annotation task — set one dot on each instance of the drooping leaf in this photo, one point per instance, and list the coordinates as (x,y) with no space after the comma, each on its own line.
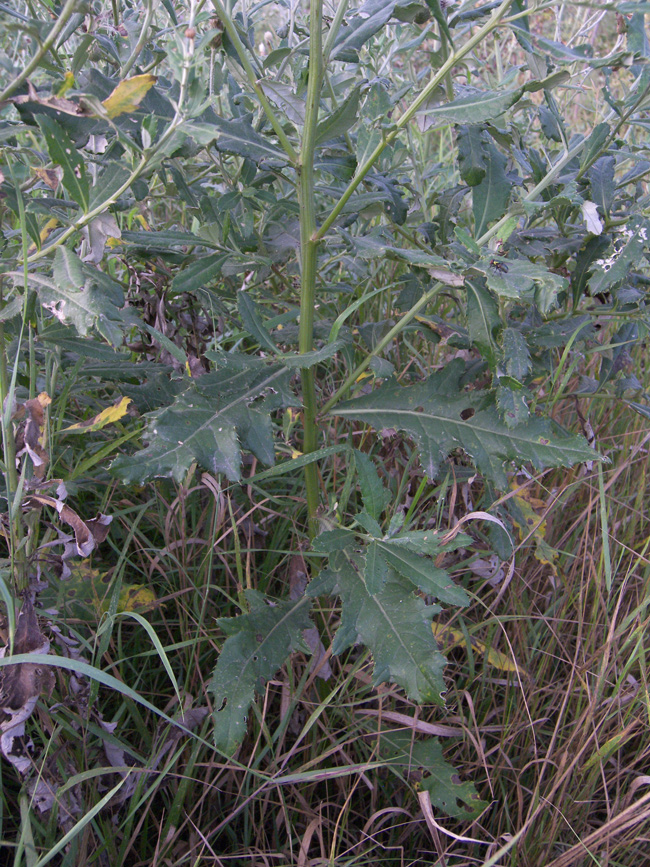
(309,359)
(586,261)
(253,323)
(394,204)
(490,197)
(516,354)
(376,568)
(64,153)
(471,158)
(441,417)
(615,268)
(594,143)
(373,493)
(284,96)
(525,281)
(237,136)
(199,273)
(564,54)
(83,297)
(164,239)
(483,320)
(340,121)
(359,27)
(209,423)
(128,94)
(601,180)
(393,623)
(511,400)
(421,572)
(368,138)
(430,542)
(549,124)
(473,108)
(258,643)
(109,181)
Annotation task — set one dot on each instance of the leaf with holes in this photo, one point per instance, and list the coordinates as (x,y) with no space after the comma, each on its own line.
(210,422)
(82,296)
(258,643)
(442,417)
(393,623)
(440,780)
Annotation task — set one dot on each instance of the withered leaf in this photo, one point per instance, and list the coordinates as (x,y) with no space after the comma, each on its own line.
(20,687)
(86,533)
(30,437)
(58,103)
(51,177)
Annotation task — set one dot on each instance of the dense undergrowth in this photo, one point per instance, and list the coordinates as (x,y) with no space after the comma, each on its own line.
(325,434)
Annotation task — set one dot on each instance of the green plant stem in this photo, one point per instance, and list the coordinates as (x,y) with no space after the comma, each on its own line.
(144,161)
(534,193)
(408,115)
(555,171)
(390,336)
(334,29)
(231,30)
(309,252)
(144,35)
(52,36)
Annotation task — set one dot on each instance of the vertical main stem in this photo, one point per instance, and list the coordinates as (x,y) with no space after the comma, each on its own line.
(309,251)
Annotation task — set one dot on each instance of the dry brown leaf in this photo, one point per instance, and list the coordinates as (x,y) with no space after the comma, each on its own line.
(21,685)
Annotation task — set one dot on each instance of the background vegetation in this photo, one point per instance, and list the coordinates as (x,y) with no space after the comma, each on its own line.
(324,419)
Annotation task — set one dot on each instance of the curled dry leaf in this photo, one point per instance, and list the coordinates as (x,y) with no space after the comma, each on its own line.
(96,234)
(87,534)
(298,578)
(58,103)
(119,758)
(51,177)
(20,687)
(30,436)
(44,791)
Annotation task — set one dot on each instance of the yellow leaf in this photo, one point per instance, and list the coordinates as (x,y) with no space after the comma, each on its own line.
(136,596)
(66,84)
(109,415)
(142,222)
(44,233)
(534,526)
(500,660)
(448,638)
(128,94)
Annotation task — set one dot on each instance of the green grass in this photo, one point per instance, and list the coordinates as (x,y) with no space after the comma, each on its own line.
(560,750)
(548,708)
